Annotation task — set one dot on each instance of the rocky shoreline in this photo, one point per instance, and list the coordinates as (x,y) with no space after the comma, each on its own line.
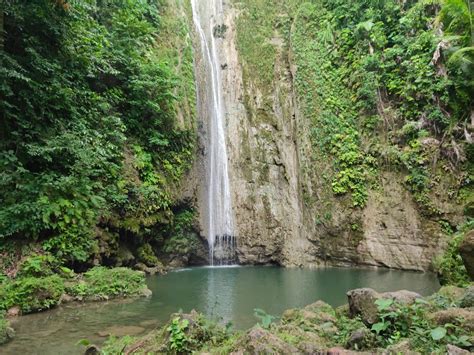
(399,322)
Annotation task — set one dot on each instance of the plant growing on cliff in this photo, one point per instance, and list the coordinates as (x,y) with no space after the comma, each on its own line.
(450,266)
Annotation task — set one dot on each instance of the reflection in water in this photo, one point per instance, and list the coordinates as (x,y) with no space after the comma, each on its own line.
(227,294)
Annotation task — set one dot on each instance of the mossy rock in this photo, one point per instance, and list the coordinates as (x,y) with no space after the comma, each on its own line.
(6,332)
(32,294)
(467,300)
(147,256)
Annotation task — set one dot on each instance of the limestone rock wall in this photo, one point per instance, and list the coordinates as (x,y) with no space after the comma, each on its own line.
(284,212)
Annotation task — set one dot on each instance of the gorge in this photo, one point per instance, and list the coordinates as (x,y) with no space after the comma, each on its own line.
(237,157)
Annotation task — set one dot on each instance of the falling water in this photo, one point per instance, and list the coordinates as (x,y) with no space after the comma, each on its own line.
(220,231)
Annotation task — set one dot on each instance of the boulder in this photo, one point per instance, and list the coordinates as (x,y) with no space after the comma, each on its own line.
(454,350)
(452,293)
(158,269)
(13,312)
(6,333)
(359,339)
(402,347)
(463,317)
(261,341)
(362,302)
(466,249)
(93,350)
(467,299)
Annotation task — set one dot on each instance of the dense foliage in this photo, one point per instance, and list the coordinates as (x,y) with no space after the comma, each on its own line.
(385,68)
(31,291)
(89,142)
(387,85)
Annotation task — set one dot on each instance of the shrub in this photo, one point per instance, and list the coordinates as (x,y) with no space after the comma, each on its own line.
(32,294)
(103,282)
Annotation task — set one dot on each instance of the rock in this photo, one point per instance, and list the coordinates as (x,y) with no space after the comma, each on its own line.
(403,296)
(93,350)
(65,298)
(261,341)
(149,323)
(10,332)
(158,269)
(362,338)
(454,350)
(467,299)
(343,310)
(452,293)
(460,316)
(120,331)
(13,312)
(6,333)
(402,347)
(319,312)
(146,292)
(362,302)
(125,256)
(342,351)
(466,249)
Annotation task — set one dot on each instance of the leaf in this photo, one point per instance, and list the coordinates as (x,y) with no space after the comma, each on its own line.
(83,342)
(383,304)
(380,326)
(438,333)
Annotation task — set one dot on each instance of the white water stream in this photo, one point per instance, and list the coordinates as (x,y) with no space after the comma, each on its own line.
(207,17)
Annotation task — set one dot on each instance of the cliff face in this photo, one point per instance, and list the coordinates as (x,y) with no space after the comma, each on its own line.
(285,209)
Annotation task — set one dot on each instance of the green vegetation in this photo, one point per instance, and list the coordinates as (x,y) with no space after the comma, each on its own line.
(100,282)
(450,266)
(383,87)
(178,340)
(32,294)
(400,328)
(411,322)
(6,332)
(97,126)
(40,289)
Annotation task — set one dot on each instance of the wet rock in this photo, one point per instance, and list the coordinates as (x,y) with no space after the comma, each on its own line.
(93,350)
(362,338)
(467,299)
(158,269)
(454,350)
(13,312)
(65,298)
(146,292)
(120,331)
(261,341)
(6,334)
(362,302)
(463,317)
(466,249)
(148,323)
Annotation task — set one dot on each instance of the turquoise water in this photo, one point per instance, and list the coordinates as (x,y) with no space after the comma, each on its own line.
(228,294)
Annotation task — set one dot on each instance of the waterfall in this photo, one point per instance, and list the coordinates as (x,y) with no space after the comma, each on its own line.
(220,229)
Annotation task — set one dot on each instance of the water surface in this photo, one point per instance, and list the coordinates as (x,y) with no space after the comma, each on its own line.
(229,294)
